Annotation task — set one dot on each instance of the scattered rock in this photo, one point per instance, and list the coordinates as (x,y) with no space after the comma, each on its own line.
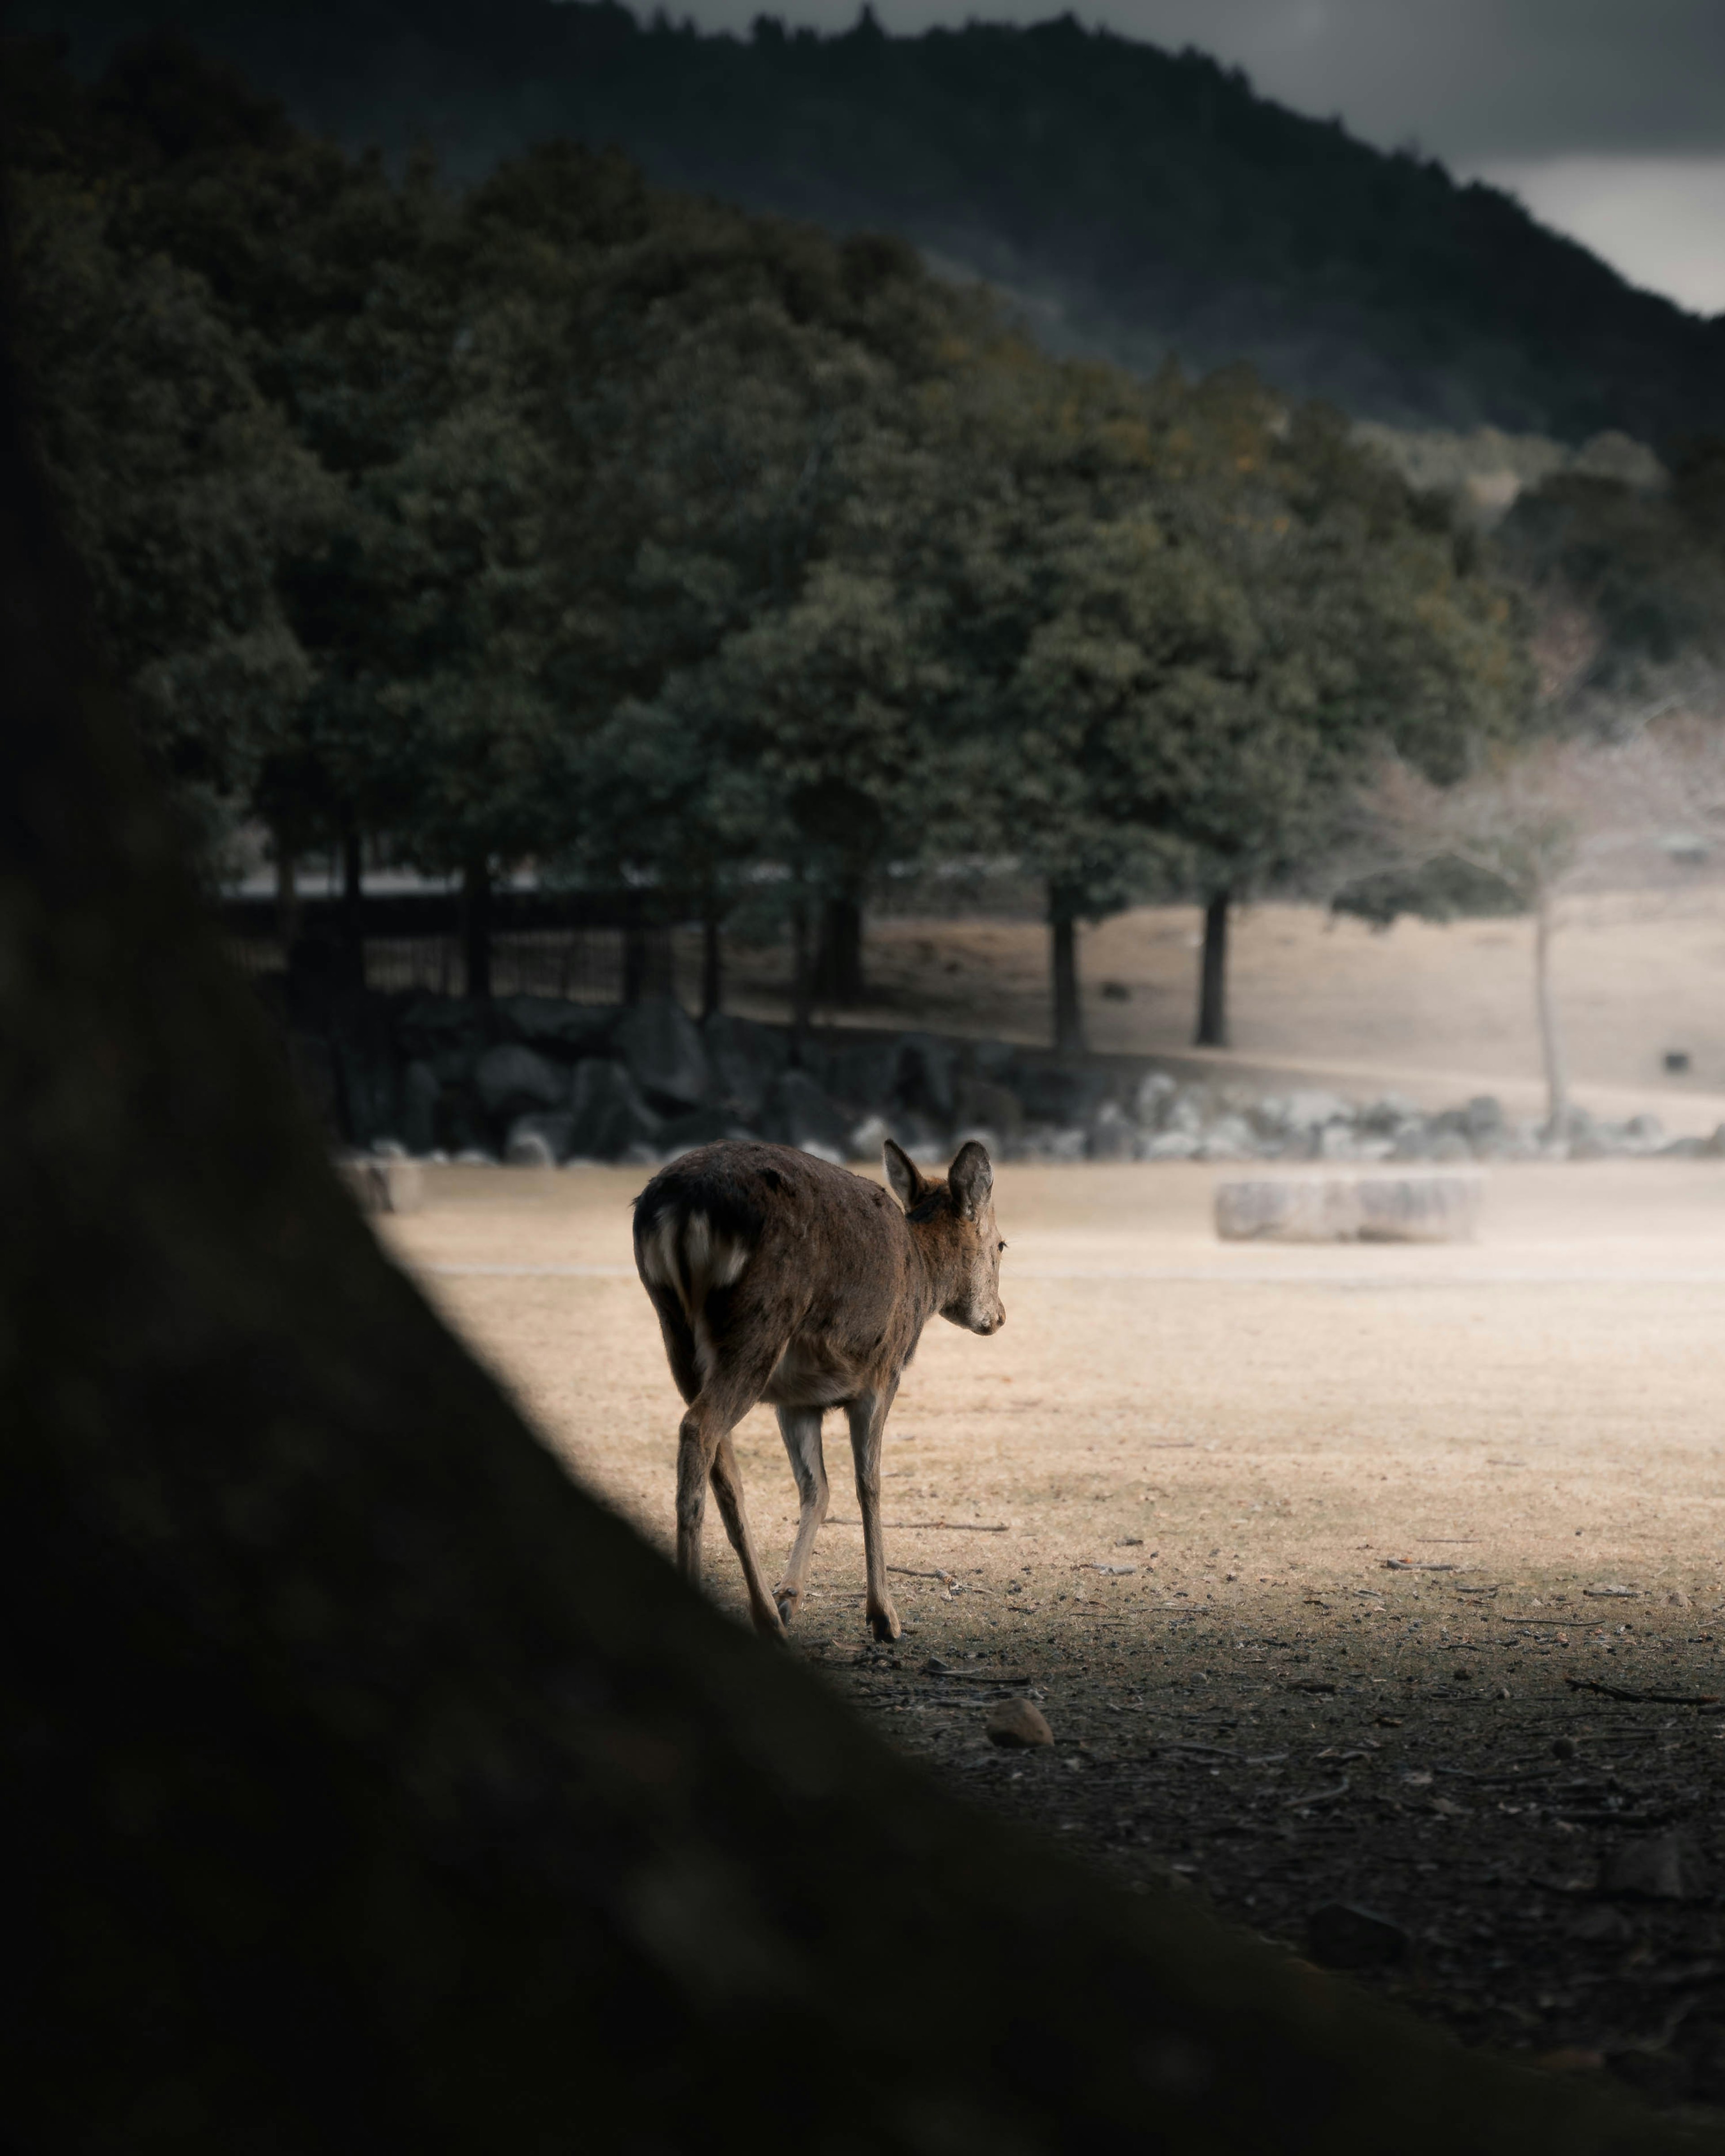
(607,1114)
(382,1183)
(744,1059)
(528,1146)
(799,1113)
(1339,1208)
(1341,1935)
(1661,1867)
(512,1080)
(661,1046)
(1018,1724)
(420,1092)
(550,1022)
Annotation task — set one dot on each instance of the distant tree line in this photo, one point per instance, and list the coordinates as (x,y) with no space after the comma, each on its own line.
(675,548)
(1149,199)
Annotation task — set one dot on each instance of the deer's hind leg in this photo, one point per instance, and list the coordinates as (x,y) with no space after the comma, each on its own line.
(800,1428)
(705,1453)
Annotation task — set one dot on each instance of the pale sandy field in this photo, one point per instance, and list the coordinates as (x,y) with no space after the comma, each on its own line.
(1434,1012)
(1253,1699)
(1260,1418)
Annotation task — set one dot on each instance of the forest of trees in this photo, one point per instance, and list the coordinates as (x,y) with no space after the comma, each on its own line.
(1145,203)
(568,521)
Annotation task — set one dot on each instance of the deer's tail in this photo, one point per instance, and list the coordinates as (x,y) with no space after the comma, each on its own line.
(685,1252)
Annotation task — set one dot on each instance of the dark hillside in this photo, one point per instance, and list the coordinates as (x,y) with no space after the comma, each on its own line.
(1140,202)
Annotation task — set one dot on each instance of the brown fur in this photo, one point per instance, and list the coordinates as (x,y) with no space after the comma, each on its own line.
(778,1277)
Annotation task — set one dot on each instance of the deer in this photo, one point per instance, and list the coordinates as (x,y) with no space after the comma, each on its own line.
(780,1277)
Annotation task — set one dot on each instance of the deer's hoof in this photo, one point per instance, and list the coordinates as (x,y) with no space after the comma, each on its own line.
(883,1623)
(769,1624)
(788,1598)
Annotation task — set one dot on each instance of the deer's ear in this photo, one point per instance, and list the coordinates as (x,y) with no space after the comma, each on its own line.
(908,1186)
(971,1178)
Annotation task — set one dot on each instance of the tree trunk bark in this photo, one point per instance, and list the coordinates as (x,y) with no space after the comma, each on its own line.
(635,949)
(1213,974)
(476,926)
(287,903)
(802,975)
(1063,946)
(352,931)
(1551,1042)
(839,967)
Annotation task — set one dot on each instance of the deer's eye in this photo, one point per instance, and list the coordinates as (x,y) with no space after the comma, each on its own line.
(1001,1246)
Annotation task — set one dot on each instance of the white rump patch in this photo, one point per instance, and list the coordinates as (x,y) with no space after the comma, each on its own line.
(692,1259)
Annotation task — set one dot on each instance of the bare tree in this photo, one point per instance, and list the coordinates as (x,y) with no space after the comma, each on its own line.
(1542,822)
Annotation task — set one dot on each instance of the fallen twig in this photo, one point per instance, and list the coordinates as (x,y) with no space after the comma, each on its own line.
(1644,1698)
(1316,1797)
(910,1572)
(951,1526)
(1416,1564)
(935,1668)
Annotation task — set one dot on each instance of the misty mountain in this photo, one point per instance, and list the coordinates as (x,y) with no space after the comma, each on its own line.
(1137,204)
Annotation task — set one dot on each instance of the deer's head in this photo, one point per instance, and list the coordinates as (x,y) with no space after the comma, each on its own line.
(953,1222)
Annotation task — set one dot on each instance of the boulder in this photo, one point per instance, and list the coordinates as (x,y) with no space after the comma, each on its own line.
(540,1141)
(527,1148)
(1169,1145)
(743,1060)
(1350,1208)
(1113,1135)
(866,1140)
(797,1112)
(606,1115)
(701,1126)
(985,1105)
(428,1025)
(926,1071)
(1304,1113)
(553,1023)
(1019,1725)
(512,1081)
(420,1088)
(380,1183)
(865,1076)
(1057,1093)
(662,1046)
(1151,1103)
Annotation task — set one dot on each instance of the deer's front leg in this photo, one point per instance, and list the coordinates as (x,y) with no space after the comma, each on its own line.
(867,1415)
(800,1428)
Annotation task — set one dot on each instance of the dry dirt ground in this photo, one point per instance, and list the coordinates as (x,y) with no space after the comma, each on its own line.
(1303,1552)
(1437,1012)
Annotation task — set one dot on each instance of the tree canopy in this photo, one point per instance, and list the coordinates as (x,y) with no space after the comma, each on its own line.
(570,519)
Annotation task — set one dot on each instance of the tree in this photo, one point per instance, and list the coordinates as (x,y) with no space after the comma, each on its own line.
(1517,833)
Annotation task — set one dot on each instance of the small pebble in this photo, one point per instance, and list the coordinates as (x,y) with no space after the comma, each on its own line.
(1019,1725)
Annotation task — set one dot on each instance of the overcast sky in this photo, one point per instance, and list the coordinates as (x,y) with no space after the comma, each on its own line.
(1606,116)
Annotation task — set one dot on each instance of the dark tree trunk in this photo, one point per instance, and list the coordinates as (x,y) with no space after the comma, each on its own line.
(839,965)
(476,926)
(369,1786)
(712,964)
(1063,947)
(802,975)
(287,902)
(1213,974)
(352,933)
